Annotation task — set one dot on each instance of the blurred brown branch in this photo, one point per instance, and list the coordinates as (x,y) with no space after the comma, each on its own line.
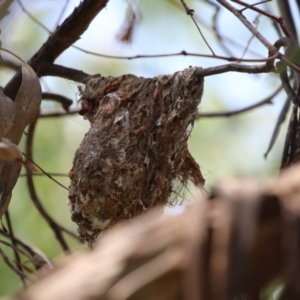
(237,243)
(55,227)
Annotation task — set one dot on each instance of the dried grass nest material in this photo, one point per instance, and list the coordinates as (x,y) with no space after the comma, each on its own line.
(135,153)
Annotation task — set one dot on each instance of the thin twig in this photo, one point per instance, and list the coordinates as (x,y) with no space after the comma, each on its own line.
(64,101)
(22,275)
(280,120)
(34,252)
(290,144)
(267,100)
(215,28)
(15,248)
(30,259)
(277,19)
(287,19)
(81,76)
(50,69)
(190,12)
(138,56)
(251,5)
(62,13)
(31,187)
(13,54)
(249,26)
(42,174)
(237,68)
(42,170)
(58,114)
(286,13)
(10,64)
(256,21)
(63,72)
(69,71)
(16,253)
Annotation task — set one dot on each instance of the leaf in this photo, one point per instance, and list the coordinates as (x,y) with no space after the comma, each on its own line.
(129,24)
(4,8)
(7,113)
(27,102)
(9,151)
(27,105)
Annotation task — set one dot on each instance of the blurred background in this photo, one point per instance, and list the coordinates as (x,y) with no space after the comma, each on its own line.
(223,147)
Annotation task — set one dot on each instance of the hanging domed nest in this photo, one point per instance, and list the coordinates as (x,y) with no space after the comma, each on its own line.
(135,153)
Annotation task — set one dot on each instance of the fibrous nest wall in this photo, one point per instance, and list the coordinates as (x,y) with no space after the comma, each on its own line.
(135,153)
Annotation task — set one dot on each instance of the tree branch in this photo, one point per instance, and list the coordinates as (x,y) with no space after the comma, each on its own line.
(286,13)
(58,114)
(280,120)
(237,68)
(64,101)
(16,253)
(249,26)
(49,69)
(64,36)
(69,32)
(278,20)
(10,64)
(267,100)
(56,228)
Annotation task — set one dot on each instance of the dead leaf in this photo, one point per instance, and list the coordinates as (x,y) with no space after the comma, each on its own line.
(129,23)
(27,103)
(5,8)
(9,151)
(7,113)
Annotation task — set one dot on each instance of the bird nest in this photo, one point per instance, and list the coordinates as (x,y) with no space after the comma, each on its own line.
(135,154)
